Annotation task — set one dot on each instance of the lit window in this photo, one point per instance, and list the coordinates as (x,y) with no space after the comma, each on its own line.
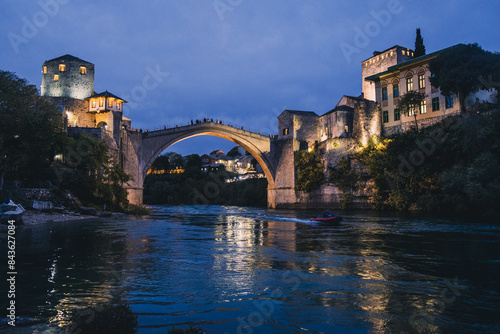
(421,81)
(101,103)
(384,93)
(409,84)
(395,90)
(397,115)
(449,102)
(412,54)
(45,70)
(110,103)
(423,107)
(93,103)
(435,104)
(404,52)
(62,67)
(385,116)
(392,53)
(118,105)
(83,70)
(286,131)
(411,110)
(346,128)
(56,77)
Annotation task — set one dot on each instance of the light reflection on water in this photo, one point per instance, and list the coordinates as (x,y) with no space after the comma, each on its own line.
(244,270)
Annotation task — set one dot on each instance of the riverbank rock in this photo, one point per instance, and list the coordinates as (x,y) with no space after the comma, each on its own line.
(105,214)
(88,211)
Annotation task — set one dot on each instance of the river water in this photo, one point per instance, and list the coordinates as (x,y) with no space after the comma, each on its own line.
(252,270)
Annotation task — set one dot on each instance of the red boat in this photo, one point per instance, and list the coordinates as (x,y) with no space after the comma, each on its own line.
(331,219)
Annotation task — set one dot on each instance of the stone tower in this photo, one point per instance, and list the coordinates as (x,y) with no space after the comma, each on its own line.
(380,62)
(67,76)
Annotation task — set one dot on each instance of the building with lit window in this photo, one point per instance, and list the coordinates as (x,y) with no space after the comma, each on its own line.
(390,74)
(68,82)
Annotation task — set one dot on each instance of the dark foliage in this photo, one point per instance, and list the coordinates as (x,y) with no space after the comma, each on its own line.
(31,130)
(464,69)
(347,179)
(309,171)
(409,104)
(452,167)
(93,176)
(419,45)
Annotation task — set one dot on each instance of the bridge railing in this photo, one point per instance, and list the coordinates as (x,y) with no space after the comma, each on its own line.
(177,127)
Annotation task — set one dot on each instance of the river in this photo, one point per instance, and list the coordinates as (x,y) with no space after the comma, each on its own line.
(255,270)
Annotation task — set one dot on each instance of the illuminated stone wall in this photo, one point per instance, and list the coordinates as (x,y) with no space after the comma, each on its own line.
(68,81)
(380,62)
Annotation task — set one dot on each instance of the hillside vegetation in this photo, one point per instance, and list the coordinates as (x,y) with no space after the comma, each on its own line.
(452,167)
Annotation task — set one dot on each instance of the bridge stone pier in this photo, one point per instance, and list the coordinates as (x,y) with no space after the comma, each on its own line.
(140,149)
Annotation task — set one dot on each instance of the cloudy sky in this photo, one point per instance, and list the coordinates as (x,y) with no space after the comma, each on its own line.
(242,61)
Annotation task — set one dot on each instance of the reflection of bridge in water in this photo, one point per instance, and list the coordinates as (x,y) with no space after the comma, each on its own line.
(140,149)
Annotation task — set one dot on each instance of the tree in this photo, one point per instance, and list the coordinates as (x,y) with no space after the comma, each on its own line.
(31,129)
(309,171)
(193,163)
(463,69)
(409,103)
(175,160)
(419,45)
(161,163)
(94,177)
(347,179)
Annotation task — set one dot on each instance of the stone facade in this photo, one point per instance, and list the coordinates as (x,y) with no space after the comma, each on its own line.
(380,62)
(68,82)
(67,76)
(386,79)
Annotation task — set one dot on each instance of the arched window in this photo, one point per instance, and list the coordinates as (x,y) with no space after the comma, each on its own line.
(395,87)
(409,81)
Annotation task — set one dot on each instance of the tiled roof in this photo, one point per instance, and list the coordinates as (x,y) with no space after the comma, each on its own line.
(106,94)
(68,57)
(339,108)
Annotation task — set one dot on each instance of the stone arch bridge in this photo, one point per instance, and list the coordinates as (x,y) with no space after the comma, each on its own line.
(140,149)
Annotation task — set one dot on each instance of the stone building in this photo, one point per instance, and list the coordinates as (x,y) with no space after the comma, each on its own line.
(390,74)
(68,82)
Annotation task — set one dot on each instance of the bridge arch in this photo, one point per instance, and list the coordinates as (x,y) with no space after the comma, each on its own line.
(257,145)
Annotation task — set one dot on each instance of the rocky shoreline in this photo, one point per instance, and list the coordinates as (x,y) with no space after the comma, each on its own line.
(33,217)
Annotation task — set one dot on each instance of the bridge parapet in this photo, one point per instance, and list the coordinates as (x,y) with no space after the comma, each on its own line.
(205,125)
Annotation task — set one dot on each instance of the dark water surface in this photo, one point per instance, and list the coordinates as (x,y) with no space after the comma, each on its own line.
(247,270)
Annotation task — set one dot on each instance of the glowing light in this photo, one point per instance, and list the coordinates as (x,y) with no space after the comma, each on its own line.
(62,67)
(83,70)
(56,77)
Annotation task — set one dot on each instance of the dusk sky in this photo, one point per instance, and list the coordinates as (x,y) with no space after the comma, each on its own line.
(240,61)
